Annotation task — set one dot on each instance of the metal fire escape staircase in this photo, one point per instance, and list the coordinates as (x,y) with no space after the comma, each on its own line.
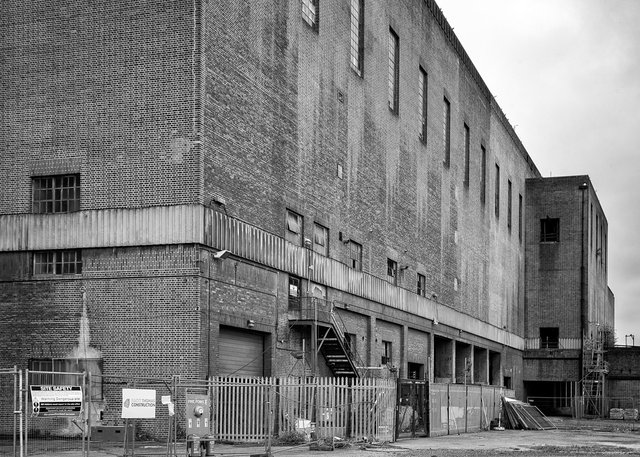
(332,342)
(594,371)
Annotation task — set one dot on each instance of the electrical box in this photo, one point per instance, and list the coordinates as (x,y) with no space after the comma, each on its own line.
(198,414)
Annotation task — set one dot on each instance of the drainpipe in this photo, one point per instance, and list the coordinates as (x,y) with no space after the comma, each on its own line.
(583,307)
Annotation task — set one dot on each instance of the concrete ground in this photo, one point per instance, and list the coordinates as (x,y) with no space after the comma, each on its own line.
(571,438)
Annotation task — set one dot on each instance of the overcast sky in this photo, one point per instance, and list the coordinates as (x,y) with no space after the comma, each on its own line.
(567,75)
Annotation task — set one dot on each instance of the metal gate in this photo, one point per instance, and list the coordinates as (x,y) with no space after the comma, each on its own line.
(10,412)
(413,408)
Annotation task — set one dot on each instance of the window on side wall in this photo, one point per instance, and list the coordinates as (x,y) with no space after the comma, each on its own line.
(387,353)
(422,104)
(392,271)
(57,262)
(310,13)
(357,36)
(446,133)
(321,239)
(295,292)
(293,232)
(394,71)
(549,337)
(422,285)
(549,230)
(355,255)
(55,194)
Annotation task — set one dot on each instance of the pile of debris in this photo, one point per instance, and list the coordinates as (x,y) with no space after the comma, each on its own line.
(523,416)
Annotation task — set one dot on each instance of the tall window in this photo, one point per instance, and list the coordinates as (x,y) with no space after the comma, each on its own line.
(497,203)
(57,262)
(387,353)
(355,255)
(422,103)
(293,232)
(520,217)
(56,194)
(392,271)
(310,13)
(422,285)
(446,133)
(467,136)
(357,36)
(321,239)
(483,176)
(394,71)
(509,210)
(295,292)
(549,230)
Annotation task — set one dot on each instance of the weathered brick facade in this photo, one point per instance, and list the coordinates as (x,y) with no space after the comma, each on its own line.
(195,126)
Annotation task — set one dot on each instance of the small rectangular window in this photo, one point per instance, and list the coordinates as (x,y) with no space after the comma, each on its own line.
(549,230)
(57,262)
(293,232)
(446,127)
(394,71)
(497,196)
(387,353)
(310,13)
(56,194)
(355,255)
(467,158)
(321,239)
(295,292)
(509,198)
(392,271)
(549,337)
(422,103)
(357,36)
(350,340)
(422,285)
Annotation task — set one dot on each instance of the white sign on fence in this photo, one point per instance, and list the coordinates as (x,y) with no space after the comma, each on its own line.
(138,403)
(56,400)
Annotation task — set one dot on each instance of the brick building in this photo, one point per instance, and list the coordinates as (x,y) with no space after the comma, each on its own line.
(198,188)
(570,309)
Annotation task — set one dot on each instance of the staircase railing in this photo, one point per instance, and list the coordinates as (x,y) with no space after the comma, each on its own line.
(323,311)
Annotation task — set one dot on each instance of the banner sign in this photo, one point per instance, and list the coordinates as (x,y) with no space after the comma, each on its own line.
(56,400)
(138,403)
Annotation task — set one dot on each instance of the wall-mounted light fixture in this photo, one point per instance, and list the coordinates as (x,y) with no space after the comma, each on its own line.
(251,323)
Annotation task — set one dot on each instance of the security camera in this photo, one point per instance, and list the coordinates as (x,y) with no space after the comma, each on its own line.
(221,255)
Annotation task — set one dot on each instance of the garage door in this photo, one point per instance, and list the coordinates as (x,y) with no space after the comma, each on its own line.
(241,353)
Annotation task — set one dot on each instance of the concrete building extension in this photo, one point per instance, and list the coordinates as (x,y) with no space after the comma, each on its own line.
(199,188)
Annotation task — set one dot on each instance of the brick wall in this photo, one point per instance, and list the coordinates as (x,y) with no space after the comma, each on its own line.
(103,89)
(282,97)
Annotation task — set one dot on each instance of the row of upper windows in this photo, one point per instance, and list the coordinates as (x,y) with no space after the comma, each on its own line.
(310,13)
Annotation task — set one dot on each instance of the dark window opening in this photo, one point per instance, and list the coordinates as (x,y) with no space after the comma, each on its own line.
(549,337)
(387,358)
(422,285)
(549,230)
(392,271)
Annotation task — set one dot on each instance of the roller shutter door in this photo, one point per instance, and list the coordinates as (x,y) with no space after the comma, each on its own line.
(241,353)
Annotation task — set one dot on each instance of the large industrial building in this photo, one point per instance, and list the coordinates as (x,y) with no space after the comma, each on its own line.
(213,188)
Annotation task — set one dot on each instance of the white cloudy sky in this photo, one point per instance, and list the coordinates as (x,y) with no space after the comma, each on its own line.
(567,75)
